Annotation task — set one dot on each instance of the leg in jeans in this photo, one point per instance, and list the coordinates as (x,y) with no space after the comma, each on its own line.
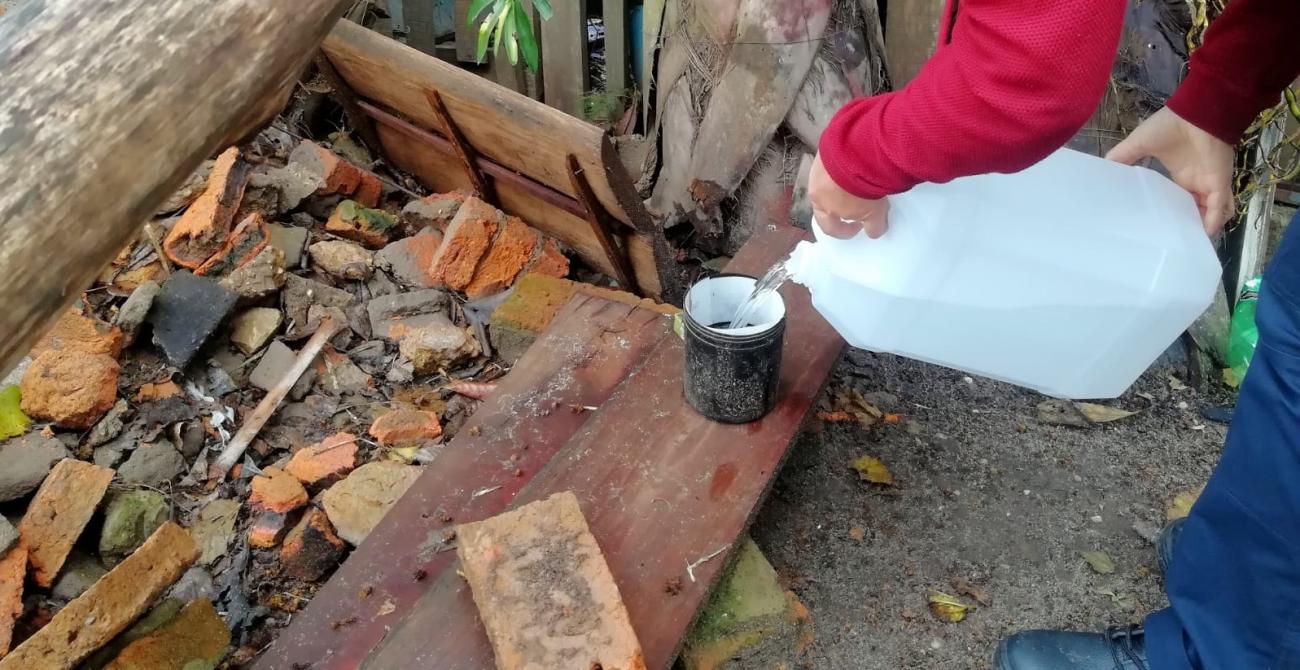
(1234,586)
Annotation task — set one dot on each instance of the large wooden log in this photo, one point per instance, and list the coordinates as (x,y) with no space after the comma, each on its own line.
(108,107)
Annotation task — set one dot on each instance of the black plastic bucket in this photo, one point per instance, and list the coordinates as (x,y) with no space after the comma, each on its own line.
(731,376)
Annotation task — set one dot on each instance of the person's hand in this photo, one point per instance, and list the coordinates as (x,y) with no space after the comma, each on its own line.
(1196,160)
(840,213)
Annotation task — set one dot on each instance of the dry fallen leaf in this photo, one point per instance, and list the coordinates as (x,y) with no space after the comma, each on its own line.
(838,416)
(1176,384)
(157,391)
(1182,503)
(1101,413)
(857,534)
(1099,561)
(1122,600)
(872,469)
(964,587)
(947,608)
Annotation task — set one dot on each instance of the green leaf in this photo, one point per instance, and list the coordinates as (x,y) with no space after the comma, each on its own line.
(527,41)
(512,46)
(475,8)
(501,17)
(1099,561)
(12,420)
(483,31)
(543,8)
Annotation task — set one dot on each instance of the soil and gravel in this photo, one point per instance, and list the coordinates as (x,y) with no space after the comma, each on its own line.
(988,502)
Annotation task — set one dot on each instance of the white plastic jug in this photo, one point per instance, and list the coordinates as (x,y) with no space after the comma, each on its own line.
(1069,277)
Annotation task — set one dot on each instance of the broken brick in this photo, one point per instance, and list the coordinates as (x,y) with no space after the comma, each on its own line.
(259,277)
(403,426)
(325,462)
(540,564)
(274,497)
(353,221)
(70,388)
(510,252)
(467,239)
(338,175)
(312,548)
(388,312)
(204,227)
(300,295)
(369,190)
(358,503)
(432,212)
(244,243)
(550,261)
(13,566)
(342,260)
(196,638)
(60,511)
(110,605)
(436,346)
(75,331)
(410,259)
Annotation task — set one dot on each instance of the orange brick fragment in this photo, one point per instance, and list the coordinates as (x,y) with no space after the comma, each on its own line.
(368,190)
(405,425)
(511,251)
(539,565)
(432,211)
(326,462)
(70,388)
(59,512)
(203,228)
(196,638)
(355,222)
(13,567)
(110,605)
(312,548)
(75,331)
(274,498)
(244,243)
(550,261)
(467,239)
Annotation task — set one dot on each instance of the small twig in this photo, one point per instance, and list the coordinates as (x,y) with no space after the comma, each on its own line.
(690,567)
(483,492)
(262,413)
(152,235)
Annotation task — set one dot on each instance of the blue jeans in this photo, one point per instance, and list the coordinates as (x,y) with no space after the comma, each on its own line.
(1234,587)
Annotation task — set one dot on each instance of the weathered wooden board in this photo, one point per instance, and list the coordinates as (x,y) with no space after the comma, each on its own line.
(661,487)
(100,127)
(503,125)
(591,347)
(444,172)
(911,33)
(564,50)
(616,47)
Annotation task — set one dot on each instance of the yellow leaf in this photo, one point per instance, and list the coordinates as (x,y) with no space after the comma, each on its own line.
(1101,413)
(1181,505)
(872,469)
(1099,561)
(948,608)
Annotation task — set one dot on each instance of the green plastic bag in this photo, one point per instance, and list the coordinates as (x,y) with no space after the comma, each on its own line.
(1242,334)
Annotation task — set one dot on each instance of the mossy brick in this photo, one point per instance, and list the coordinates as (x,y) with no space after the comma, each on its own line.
(195,639)
(749,621)
(354,221)
(130,517)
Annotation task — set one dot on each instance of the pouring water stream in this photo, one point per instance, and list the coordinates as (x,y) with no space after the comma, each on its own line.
(766,285)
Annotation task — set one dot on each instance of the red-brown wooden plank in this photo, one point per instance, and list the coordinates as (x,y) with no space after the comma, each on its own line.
(591,346)
(660,487)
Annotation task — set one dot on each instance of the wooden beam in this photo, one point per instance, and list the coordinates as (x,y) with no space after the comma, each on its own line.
(911,32)
(133,126)
(564,49)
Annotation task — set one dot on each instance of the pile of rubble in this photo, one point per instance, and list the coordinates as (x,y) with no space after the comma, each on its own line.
(121,537)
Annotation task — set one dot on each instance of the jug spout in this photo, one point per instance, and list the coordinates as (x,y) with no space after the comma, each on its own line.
(803,263)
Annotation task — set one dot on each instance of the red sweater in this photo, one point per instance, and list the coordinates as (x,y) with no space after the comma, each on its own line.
(1013,80)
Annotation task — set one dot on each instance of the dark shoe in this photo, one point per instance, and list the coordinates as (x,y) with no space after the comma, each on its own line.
(1165,543)
(1119,648)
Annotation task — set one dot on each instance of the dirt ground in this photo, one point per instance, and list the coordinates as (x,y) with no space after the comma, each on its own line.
(985,493)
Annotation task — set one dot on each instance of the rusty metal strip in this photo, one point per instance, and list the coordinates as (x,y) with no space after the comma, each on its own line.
(599,219)
(464,150)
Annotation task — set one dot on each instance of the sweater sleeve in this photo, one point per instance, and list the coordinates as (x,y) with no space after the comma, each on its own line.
(1015,81)
(1249,55)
